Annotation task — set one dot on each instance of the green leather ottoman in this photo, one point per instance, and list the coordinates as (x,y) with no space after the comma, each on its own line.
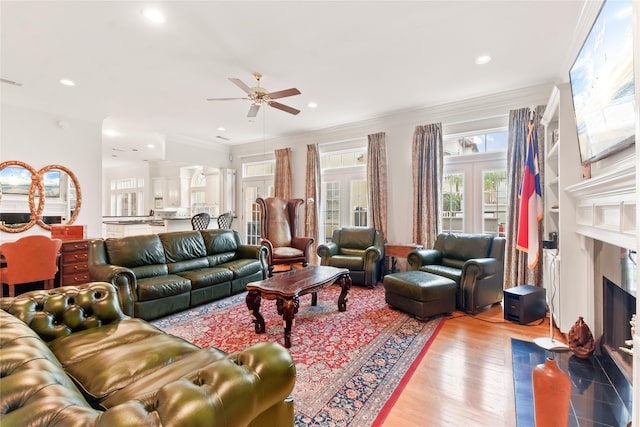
(420,293)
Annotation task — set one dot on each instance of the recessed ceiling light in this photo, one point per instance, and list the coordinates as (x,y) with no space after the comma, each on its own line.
(312,105)
(153,15)
(221,129)
(484,59)
(151,146)
(67,82)
(111,132)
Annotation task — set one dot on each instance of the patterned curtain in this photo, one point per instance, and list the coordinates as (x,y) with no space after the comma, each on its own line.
(516,270)
(427,159)
(377,181)
(312,194)
(283,184)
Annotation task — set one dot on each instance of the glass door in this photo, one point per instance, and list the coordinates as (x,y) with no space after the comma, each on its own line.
(251,190)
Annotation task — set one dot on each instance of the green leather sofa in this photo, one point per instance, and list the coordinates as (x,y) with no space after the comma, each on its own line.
(70,357)
(160,274)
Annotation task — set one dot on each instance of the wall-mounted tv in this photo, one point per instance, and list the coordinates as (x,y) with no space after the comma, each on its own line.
(602,84)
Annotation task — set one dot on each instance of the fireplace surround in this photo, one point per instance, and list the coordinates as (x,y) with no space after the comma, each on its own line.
(605,209)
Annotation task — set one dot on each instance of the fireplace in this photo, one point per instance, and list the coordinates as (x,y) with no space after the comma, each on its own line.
(619,304)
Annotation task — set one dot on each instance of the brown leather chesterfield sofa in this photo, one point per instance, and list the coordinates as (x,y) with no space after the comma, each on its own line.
(70,357)
(474,261)
(160,274)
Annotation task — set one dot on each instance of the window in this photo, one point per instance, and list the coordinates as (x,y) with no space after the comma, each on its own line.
(491,141)
(257,182)
(475,183)
(198,192)
(127,197)
(344,190)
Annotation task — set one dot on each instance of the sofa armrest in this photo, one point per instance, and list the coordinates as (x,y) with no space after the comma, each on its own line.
(122,278)
(229,392)
(419,257)
(266,243)
(251,252)
(373,254)
(327,250)
(302,243)
(482,267)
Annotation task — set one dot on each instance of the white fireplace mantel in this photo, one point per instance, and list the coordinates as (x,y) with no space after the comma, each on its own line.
(605,205)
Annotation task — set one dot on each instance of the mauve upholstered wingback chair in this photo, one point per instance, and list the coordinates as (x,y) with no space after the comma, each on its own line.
(360,249)
(278,225)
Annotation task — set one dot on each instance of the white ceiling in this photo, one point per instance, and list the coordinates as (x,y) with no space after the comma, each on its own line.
(356,60)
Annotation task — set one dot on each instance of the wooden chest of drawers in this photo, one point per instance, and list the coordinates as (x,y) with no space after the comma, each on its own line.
(74,262)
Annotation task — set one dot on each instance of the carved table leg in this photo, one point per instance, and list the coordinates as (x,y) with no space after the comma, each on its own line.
(288,309)
(253,303)
(345,283)
(314,299)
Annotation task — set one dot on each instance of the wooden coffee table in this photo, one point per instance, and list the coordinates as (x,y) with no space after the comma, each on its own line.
(287,287)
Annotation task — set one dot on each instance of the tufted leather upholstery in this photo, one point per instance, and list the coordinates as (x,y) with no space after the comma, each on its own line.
(70,357)
(278,221)
(360,249)
(160,274)
(474,261)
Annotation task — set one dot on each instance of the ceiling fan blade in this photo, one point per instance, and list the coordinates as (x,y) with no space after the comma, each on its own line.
(224,99)
(283,107)
(284,93)
(241,85)
(253,111)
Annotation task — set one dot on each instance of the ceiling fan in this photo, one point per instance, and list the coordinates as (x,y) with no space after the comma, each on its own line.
(259,95)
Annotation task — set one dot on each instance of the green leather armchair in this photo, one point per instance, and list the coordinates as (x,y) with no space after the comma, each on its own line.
(474,261)
(360,249)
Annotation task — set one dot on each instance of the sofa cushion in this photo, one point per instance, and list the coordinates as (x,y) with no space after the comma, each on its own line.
(346,261)
(187,265)
(442,270)
(181,246)
(243,267)
(466,246)
(219,241)
(284,252)
(356,238)
(155,287)
(204,277)
(134,251)
(103,360)
(147,386)
(150,270)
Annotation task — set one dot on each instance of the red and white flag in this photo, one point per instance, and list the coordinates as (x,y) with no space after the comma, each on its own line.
(531,210)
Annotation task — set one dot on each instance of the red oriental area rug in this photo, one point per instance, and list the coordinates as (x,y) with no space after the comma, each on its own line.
(351,366)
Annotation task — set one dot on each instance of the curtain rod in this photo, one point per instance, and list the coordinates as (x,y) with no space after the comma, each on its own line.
(342,141)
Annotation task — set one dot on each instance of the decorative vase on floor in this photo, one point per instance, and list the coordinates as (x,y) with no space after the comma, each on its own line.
(580,339)
(551,395)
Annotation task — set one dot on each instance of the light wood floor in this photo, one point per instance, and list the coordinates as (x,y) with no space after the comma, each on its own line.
(465,379)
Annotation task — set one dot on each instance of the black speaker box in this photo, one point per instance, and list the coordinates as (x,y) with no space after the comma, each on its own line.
(524,304)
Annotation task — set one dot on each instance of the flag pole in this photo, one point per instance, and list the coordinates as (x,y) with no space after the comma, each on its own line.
(550,343)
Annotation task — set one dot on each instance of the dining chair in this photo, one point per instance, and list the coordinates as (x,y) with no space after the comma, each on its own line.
(29,259)
(225,220)
(200,221)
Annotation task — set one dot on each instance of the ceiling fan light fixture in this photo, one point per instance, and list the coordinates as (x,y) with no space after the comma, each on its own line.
(483,59)
(154,15)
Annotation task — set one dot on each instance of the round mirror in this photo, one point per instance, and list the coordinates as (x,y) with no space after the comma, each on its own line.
(62,196)
(19,186)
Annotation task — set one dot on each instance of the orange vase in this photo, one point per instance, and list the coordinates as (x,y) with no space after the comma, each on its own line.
(551,395)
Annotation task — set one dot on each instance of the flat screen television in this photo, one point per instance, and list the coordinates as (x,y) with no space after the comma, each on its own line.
(602,84)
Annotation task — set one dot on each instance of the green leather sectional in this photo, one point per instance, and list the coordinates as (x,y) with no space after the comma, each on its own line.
(160,274)
(70,357)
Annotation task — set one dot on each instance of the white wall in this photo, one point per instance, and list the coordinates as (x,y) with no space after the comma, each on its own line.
(474,114)
(35,138)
